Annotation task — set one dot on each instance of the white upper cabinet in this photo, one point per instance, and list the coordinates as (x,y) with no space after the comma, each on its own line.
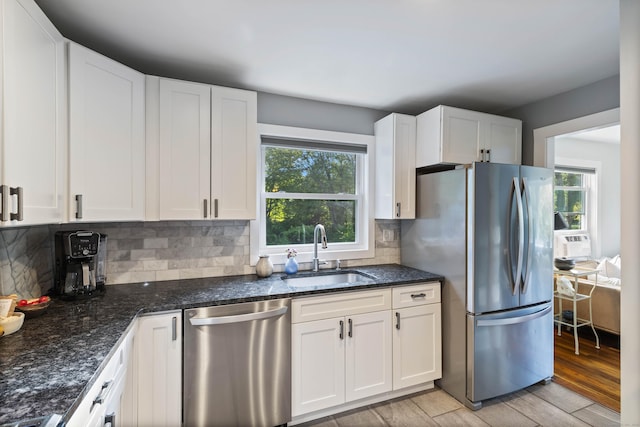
(453,135)
(234,150)
(201,151)
(395,171)
(106,138)
(33,107)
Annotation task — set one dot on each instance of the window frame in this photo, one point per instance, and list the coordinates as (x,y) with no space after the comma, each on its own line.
(364,247)
(584,188)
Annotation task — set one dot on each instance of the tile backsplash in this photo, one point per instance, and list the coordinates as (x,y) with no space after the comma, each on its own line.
(153,251)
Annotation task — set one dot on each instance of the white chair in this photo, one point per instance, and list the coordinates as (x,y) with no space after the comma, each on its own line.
(566,291)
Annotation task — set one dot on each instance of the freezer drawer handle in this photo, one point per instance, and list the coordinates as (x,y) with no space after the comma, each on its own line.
(261,315)
(513,320)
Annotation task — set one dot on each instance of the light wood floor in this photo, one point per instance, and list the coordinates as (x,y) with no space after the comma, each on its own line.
(539,405)
(585,391)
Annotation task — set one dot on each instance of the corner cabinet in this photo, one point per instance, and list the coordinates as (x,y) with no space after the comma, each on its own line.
(201,151)
(109,395)
(395,167)
(454,135)
(34,111)
(159,369)
(106,138)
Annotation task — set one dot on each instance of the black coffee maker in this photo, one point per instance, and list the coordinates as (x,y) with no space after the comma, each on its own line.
(80,258)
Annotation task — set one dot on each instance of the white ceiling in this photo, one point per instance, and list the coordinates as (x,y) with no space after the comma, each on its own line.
(609,135)
(393,55)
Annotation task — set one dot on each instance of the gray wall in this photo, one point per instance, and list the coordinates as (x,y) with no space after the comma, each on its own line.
(305,113)
(594,98)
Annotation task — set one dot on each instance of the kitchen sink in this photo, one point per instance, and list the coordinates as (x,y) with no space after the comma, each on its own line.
(325,279)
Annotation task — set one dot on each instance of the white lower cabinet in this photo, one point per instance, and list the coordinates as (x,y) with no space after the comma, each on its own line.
(104,401)
(417,336)
(159,369)
(344,358)
(356,348)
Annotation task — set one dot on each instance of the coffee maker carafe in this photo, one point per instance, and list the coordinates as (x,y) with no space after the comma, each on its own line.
(80,263)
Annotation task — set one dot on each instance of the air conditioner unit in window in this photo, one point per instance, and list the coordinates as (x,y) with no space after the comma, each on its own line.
(576,246)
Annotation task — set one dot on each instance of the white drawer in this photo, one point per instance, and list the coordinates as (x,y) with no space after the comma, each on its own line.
(413,295)
(341,304)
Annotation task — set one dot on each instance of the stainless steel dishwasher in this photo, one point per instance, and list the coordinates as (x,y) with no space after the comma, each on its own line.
(237,365)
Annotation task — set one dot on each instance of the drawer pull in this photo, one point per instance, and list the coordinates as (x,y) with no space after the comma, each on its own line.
(420,295)
(99,400)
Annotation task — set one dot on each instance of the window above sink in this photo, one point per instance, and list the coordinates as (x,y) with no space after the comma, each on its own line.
(306,177)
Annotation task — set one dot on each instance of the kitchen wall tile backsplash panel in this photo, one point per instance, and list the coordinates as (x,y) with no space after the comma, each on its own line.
(154,251)
(25,261)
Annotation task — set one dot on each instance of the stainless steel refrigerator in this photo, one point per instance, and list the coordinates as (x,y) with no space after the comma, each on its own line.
(487,228)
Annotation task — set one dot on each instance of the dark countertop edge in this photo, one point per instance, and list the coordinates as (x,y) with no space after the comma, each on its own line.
(374,272)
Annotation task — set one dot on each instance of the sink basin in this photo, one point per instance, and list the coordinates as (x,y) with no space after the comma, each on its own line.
(324,279)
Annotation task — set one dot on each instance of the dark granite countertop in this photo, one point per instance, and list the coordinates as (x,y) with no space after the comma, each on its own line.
(49,364)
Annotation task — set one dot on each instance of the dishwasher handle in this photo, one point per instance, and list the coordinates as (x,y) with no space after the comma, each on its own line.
(222,320)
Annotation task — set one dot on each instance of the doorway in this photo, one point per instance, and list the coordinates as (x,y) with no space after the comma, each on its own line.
(556,147)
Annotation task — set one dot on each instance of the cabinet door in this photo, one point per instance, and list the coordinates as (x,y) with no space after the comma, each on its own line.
(504,140)
(234,148)
(417,347)
(185,150)
(461,135)
(106,139)
(159,362)
(317,365)
(368,353)
(33,104)
(395,167)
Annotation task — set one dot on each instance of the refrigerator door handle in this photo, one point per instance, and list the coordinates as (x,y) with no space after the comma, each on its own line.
(527,271)
(513,320)
(520,230)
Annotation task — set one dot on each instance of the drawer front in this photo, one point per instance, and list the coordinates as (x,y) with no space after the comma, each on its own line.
(342,304)
(413,295)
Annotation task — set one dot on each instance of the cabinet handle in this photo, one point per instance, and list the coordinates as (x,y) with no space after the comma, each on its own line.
(398,209)
(100,397)
(488,155)
(4,203)
(397,320)
(420,295)
(482,157)
(206,207)
(19,193)
(215,208)
(110,420)
(341,330)
(174,328)
(350,329)
(79,206)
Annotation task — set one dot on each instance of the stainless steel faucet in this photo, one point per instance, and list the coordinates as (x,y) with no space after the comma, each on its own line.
(323,237)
